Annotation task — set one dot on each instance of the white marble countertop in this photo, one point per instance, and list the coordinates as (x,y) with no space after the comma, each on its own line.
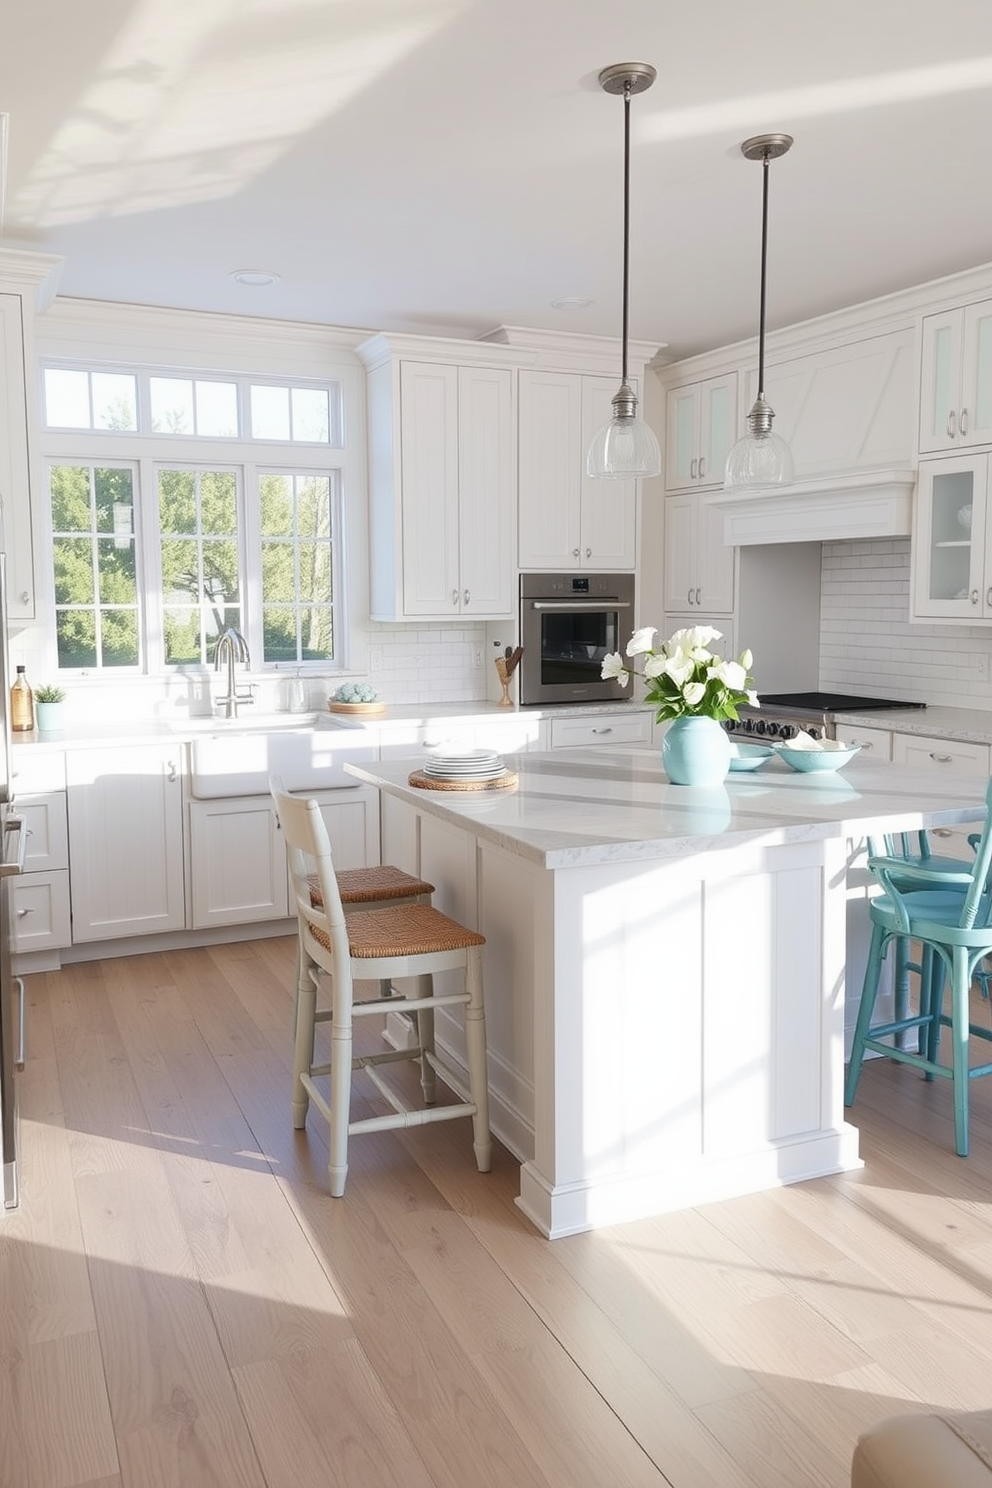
(398,716)
(573,807)
(970,725)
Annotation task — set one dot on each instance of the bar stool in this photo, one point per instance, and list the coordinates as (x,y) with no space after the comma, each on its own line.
(403,940)
(949,913)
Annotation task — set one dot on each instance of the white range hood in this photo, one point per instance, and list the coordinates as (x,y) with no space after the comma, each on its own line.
(869,503)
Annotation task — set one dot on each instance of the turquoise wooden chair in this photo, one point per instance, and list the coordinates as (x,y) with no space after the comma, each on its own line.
(947,910)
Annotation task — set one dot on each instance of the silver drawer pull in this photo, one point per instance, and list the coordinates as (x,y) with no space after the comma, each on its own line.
(941,759)
(22,912)
(602,731)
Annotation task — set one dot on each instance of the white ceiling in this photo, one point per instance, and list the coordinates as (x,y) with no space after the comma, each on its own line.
(452,165)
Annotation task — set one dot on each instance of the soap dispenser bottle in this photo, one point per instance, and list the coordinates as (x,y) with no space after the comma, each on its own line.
(21,704)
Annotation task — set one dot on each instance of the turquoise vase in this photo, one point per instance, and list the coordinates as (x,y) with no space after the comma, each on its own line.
(695,751)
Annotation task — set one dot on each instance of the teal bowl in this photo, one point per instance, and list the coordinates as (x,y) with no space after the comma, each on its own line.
(748,756)
(815,761)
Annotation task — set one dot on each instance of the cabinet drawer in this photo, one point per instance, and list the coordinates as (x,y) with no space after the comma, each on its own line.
(45,822)
(39,911)
(572,733)
(876,744)
(940,754)
(33,772)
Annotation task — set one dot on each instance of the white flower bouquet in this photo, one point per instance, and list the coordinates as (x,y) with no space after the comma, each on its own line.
(683,677)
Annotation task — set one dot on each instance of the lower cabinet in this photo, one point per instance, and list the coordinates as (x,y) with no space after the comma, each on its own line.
(39,897)
(602,728)
(125,841)
(238,868)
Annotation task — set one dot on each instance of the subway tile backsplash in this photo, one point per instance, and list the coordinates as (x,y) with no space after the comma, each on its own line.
(868,645)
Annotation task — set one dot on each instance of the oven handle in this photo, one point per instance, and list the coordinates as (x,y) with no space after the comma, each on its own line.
(577,605)
(13,851)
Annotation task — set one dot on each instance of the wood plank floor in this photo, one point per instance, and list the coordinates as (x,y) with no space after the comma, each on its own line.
(183,1306)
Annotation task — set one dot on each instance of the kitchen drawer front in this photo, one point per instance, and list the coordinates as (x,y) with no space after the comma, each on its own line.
(505,735)
(574,733)
(39,911)
(32,773)
(45,822)
(876,744)
(940,754)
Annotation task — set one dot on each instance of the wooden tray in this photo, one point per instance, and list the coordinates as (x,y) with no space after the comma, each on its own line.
(369,709)
(427,782)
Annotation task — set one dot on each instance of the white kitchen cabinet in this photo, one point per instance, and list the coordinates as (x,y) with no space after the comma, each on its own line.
(699,565)
(125,841)
(702,427)
(956,379)
(566,518)
(621,727)
(952,541)
(951,756)
(238,869)
(442,467)
(39,897)
(875,744)
(24,279)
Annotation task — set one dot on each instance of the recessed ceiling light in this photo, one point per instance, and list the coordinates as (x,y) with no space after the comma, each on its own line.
(572,302)
(254,277)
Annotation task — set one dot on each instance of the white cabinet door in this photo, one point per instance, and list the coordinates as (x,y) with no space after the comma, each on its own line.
(39,912)
(699,566)
(442,487)
(702,427)
(486,486)
(602,728)
(875,744)
(429,459)
(566,518)
(951,574)
(125,841)
(237,862)
(956,379)
(607,508)
(550,441)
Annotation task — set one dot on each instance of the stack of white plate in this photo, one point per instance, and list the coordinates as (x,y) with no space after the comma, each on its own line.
(463,764)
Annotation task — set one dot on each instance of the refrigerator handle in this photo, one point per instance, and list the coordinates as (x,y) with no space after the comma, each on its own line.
(21,1038)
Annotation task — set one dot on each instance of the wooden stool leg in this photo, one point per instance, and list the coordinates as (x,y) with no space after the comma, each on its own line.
(960,1017)
(340,1102)
(305,1014)
(425,1038)
(475,1047)
(869,992)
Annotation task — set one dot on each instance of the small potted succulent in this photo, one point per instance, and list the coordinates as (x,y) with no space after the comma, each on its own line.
(48,707)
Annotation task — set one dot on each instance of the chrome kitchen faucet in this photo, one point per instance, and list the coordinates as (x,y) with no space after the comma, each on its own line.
(232,647)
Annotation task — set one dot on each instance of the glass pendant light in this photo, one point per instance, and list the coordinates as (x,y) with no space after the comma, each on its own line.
(760,457)
(625,447)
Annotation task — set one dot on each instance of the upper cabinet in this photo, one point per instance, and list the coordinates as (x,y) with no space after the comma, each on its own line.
(566,518)
(956,379)
(26,284)
(952,541)
(442,464)
(699,565)
(702,427)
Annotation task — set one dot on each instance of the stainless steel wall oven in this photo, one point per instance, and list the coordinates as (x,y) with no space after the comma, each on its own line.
(568,623)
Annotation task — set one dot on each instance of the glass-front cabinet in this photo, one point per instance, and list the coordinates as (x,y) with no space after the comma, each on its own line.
(952,564)
(702,427)
(956,379)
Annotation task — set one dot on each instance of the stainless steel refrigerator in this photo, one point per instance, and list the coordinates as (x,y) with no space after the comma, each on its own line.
(12,845)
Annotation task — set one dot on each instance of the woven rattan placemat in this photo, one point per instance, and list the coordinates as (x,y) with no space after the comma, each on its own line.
(427,782)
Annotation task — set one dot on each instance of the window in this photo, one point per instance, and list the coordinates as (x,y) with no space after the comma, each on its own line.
(156,553)
(96,593)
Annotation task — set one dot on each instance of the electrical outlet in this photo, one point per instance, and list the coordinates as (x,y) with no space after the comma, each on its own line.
(477,657)
(375,658)
(981,665)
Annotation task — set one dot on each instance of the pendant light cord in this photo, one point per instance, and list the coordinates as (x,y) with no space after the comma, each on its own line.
(764,259)
(626,222)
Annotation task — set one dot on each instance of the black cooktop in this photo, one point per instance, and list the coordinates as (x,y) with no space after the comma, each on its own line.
(830,702)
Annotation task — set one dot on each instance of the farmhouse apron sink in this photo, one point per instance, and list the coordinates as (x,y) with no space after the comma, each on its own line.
(225,764)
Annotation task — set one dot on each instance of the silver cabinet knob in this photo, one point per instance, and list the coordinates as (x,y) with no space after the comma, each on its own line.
(963,422)
(950,424)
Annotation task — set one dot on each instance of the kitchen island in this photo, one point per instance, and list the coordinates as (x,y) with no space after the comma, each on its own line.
(665,966)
